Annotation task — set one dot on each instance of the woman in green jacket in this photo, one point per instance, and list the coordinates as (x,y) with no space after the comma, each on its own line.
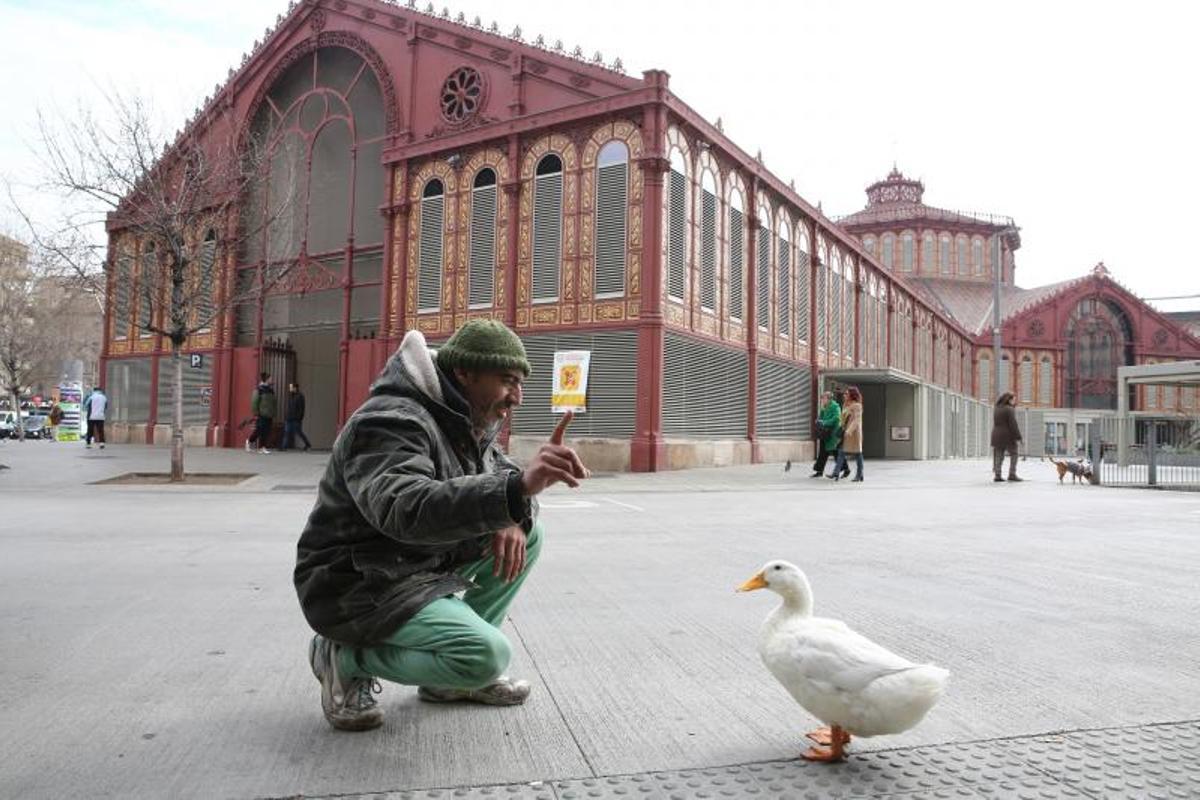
(828,432)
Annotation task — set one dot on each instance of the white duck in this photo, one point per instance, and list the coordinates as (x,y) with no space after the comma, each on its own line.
(842,678)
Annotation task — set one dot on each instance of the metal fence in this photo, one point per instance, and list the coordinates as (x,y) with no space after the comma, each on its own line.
(1147,451)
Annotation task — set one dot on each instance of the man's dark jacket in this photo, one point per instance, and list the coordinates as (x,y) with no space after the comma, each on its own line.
(409,496)
(295,407)
(1005,432)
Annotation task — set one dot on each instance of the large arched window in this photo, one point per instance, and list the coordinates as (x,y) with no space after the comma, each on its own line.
(803,277)
(944,253)
(1099,339)
(868,243)
(547,228)
(928,253)
(677,233)
(962,244)
(1025,380)
(983,376)
(482,269)
(821,302)
(762,271)
(205,280)
(835,302)
(708,241)
(1046,382)
(146,290)
(906,251)
(429,257)
(612,197)
(123,293)
(977,255)
(737,256)
(783,267)
(848,268)
(889,250)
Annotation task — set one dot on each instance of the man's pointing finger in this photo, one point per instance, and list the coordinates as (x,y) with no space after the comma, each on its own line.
(561,429)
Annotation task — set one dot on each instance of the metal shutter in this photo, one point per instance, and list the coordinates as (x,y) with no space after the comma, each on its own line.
(782,402)
(835,312)
(193,380)
(704,389)
(708,250)
(611,204)
(847,313)
(1026,380)
(429,278)
(145,289)
(763,273)
(785,288)
(737,263)
(204,298)
(122,290)
(612,385)
(547,235)
(483,246)
(1046,387)
(127,384)
(802,296)
(677,236)
(822,305)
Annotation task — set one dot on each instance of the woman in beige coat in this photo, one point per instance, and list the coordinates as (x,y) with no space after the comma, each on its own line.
(852,439)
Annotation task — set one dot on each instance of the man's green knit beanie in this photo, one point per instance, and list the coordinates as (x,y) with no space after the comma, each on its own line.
(483,344)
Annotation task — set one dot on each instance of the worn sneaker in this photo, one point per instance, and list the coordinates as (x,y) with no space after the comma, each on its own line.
(347,702)
(503,691)
(1015,479)
(249,447)
(264,451)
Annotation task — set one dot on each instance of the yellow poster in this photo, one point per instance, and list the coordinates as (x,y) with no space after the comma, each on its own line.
(568,391)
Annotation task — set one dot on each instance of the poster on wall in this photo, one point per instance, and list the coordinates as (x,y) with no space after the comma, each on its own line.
(568,391)
(70,400)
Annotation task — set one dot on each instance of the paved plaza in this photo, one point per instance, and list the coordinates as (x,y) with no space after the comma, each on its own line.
(154,646)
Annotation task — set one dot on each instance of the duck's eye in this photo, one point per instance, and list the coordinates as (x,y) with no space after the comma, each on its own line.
(778,567)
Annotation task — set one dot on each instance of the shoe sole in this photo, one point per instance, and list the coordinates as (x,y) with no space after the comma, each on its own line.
(432,698)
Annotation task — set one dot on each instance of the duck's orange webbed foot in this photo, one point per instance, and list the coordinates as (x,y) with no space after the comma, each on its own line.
(834,738)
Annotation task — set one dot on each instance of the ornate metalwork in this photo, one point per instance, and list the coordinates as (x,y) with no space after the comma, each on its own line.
(463,95)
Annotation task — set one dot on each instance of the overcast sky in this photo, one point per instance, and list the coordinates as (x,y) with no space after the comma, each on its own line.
(1080,120)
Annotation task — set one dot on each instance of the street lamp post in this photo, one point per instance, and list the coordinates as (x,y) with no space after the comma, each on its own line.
(997,270)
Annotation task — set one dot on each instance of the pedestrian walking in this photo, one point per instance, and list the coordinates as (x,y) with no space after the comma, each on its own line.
(839,396)
(829,433)
(54,418)
(293,419)
(418,504)
(262,408)
(94,408)
(1006,434)
(851,437)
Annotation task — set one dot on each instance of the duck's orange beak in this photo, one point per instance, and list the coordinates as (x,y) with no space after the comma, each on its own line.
(759,581)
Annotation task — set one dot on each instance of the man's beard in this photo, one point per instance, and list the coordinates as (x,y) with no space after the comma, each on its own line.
(482,428)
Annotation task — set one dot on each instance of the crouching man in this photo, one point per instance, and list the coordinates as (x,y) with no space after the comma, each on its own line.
(418,504)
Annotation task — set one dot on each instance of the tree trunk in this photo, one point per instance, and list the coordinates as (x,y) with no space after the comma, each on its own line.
(18,423)
(177,416)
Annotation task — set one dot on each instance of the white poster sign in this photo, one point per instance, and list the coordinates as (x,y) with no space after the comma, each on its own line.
(568,392)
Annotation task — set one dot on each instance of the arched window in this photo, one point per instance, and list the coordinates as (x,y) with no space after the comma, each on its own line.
(803,278)
(984,378)
(906,252)
(123,294)
(737,256)
(206,272)
(1099,339)
(146,289)
(677,233)
(762,272)
(1005,374)
(1046,382)
(848,307)
(889,250)
(1170,397)
(835,302)
(977,255)
(547,228)
(928,253)
(783,266)
(1025,380)
(429,256)
(482,271)
(944,254)
(868,242)
(821,303)
(612,197)
(708,241)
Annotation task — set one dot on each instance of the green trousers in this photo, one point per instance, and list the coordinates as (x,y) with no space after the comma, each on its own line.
(451,643)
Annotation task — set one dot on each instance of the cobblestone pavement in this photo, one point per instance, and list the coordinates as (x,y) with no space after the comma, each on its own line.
(1140,763)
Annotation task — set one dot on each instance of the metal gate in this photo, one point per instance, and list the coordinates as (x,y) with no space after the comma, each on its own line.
(1155,452)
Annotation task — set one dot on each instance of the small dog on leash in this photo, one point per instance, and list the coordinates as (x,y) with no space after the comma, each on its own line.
(1081,470)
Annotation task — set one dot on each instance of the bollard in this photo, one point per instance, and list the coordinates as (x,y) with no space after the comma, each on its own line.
(1096,446)
(1151,450)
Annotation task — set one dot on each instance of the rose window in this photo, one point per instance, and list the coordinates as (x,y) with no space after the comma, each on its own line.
(1161,337)
(462,94)
(1036,328)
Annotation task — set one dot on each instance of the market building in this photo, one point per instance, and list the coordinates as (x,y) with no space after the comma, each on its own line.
(440,170)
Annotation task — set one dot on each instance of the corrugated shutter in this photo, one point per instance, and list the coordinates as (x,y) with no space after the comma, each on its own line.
(429,279)
(127,384)
(483,247)
(737,264)
(708,250)
(145,291)
(704,389)
(547,235)
(204,298)
(835,312)
(194,413)
(803,276)
(612,385)
(785,288)
(763,276)
(847,313)
(677,236)
(1046,383)
(611,204)
(782,402)
(822,304)
(1026,380)
(123,289)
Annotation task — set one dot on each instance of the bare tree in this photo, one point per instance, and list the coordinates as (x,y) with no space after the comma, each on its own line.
(178,199)
(25,336)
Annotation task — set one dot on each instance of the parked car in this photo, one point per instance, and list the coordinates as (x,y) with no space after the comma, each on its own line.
(7,425)
(36,426)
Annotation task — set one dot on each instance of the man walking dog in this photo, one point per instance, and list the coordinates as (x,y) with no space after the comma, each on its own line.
(416,505)
(1006,434)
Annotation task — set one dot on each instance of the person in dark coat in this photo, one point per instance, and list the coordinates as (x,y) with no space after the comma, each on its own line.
(829,433)
(262,407)
(417,504)
(1005,436)
(293,419)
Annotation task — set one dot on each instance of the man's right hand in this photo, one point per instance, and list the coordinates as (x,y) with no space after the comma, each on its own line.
(554,463)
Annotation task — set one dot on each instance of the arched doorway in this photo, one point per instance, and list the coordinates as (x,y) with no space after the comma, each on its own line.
(1099,339)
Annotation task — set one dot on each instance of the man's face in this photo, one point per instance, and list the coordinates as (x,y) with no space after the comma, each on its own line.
(492,394)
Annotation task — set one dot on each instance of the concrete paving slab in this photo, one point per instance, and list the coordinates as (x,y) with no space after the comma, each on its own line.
(155,647)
